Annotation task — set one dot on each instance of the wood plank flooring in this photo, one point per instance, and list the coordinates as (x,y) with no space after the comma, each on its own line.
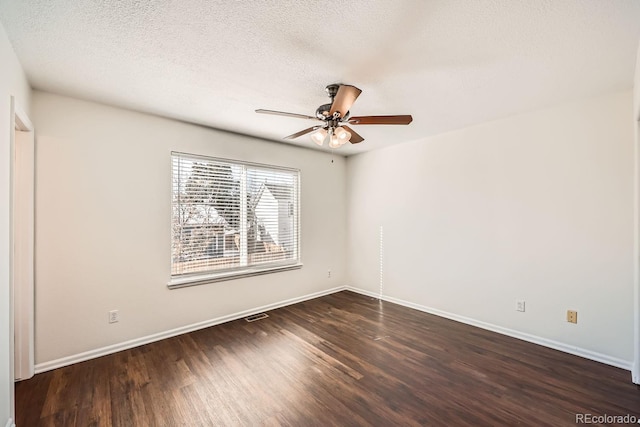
(341,360)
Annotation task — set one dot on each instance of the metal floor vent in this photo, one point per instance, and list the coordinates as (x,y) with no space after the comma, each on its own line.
(255,317)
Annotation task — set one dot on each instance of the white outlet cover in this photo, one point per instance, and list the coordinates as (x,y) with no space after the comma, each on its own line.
(520,306)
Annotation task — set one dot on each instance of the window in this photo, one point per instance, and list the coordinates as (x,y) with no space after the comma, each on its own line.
(231,219)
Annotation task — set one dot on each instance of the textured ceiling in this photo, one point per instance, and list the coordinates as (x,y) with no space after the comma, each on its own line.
(450,63)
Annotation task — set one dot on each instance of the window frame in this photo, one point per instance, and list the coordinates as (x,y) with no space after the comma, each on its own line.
(211,276)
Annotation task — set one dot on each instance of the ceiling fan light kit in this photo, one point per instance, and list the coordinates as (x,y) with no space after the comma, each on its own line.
(335,117)
(319,136)
(342,135)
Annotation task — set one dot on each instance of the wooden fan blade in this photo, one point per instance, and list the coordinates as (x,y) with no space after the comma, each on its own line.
(282,113)
(355,138)
(302,132)
(381,120)
(344,99)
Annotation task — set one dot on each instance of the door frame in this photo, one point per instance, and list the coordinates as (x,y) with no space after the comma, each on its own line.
(22,247)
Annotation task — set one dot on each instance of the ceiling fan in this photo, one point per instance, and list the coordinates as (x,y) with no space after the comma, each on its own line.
(335,117)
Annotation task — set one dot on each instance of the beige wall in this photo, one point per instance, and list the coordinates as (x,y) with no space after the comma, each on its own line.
(537,207)
(12,83)
(103,224)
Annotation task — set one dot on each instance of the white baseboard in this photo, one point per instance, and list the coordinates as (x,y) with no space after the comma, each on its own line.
(92,354)
(577,351)
(10,423)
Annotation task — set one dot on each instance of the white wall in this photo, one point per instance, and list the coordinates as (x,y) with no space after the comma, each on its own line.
(12,83)
(536,207)
(103,226)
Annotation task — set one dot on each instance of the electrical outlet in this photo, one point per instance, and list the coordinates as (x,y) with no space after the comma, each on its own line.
(114,316)
(328,274)
(520,305)
(572,316)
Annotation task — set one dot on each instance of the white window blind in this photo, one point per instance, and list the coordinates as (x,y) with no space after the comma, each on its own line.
(231,219)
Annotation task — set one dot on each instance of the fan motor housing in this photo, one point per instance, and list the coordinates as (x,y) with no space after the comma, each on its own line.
(323,113)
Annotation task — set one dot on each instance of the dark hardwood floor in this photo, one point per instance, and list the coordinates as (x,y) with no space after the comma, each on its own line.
(343,360)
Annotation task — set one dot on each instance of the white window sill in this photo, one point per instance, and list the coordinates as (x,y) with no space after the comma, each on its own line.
(203,279)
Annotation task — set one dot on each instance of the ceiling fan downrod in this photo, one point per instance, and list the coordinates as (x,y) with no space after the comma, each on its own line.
(332,90)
